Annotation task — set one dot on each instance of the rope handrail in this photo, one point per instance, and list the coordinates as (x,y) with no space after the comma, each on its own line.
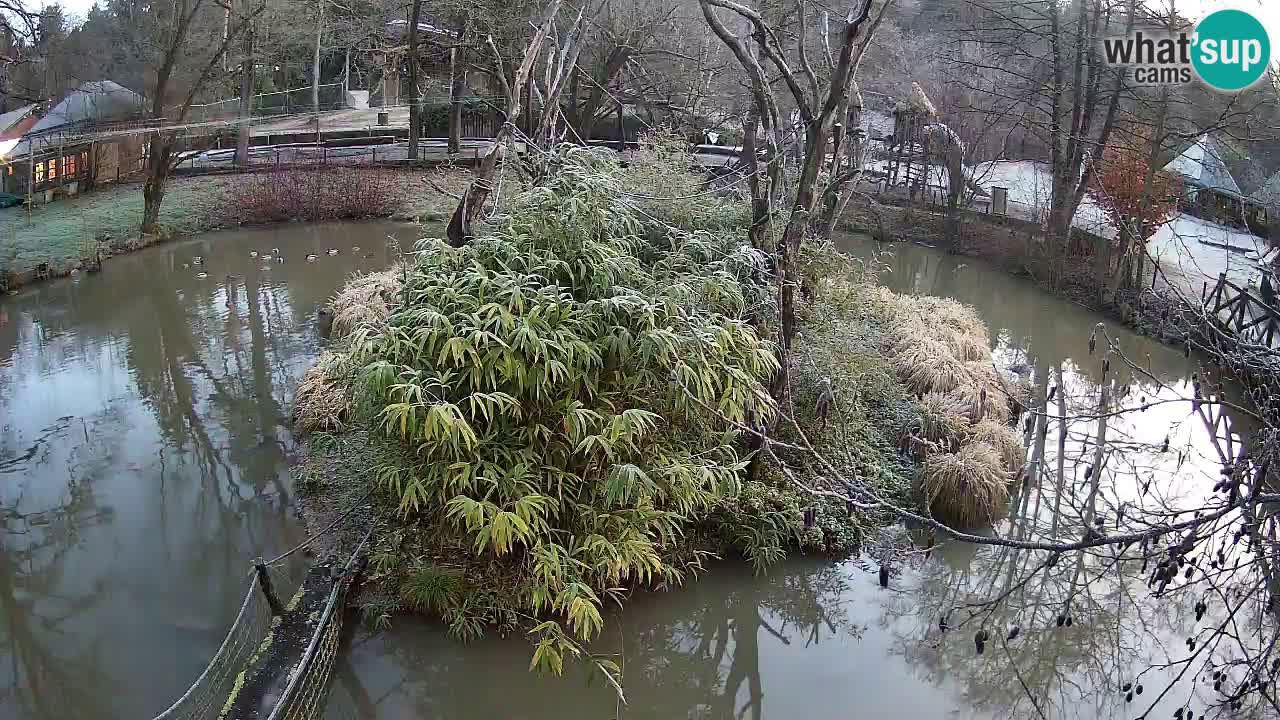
(226,642)
(355,506)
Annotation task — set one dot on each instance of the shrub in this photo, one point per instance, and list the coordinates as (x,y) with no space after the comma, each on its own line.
(311,195)
(323,400)
(550,378)
(967,488)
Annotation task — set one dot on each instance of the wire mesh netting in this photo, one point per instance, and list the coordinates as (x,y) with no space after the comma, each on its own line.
(208,694)
(307,701)
(305,694)
(284,102)
(213,694)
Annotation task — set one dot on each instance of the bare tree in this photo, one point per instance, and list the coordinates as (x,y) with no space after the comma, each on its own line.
(182,64)
(415,101)
(817,104)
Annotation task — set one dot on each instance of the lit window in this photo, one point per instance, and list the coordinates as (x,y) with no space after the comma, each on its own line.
(40,171)
(52,169)
(71,165)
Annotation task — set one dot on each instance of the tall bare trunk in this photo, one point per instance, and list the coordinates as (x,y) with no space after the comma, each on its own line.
(751,165)
(415,103)
(246,101)
(457,86)
(460,224)
(160,152)
(315,60)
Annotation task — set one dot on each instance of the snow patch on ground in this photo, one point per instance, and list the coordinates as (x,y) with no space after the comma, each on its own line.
(1030,185)
(1193,247)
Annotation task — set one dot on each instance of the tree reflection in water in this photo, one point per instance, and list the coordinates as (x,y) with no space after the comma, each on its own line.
(47,675)
(696,652)
(161,394)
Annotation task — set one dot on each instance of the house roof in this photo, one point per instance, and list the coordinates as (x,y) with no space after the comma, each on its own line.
(1202,164)
(19,129)
(401,28)
(13,117)
(1268,194)
(93,102)
(96,101)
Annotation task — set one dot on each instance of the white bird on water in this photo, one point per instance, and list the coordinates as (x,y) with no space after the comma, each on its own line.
(202,275)
(332,251)
(311,257)
(253,253)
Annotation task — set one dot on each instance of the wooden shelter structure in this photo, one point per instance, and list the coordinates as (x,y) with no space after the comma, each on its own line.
(908,153)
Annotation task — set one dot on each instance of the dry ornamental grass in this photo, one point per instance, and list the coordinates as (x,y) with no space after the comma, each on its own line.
(941,351)
(1003,440)
(967,488)
(366,299)
(323,401)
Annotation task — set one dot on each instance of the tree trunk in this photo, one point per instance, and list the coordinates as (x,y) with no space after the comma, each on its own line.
(415,104)
(457,86)
(246,101)
(161,148)
(751,165)
(315,60)
(458,232)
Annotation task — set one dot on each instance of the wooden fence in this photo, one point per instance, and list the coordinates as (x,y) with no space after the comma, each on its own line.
(1240,312)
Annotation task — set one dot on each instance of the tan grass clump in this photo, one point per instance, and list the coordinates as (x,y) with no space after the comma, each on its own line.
(907,334)
(365,299)
(928,366)
(967,488)
(1003,439)
(964,346)
(323,401)
(954,315)
(942,419)
(981,401)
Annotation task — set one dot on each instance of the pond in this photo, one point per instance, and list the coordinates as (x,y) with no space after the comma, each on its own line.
(822,640)
(144,454)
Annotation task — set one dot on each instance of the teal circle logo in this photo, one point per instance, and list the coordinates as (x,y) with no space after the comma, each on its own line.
(1231,50)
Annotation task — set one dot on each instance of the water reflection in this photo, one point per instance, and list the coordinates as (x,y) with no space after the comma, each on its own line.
(803,641)
(143,459)
(821,640)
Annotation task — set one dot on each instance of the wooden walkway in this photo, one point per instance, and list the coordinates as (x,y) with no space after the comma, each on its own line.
(1246,316)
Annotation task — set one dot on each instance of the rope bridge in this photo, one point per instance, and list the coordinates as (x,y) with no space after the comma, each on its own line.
(245,677)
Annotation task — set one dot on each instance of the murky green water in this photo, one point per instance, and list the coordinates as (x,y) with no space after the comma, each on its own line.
(822,640)
(144,455)
(143,461)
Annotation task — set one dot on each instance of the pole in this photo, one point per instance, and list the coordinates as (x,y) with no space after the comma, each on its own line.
(622,130)
(246,100)
(264,582)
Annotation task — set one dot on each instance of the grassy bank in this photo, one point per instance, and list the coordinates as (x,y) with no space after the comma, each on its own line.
(65,233)
(553,416)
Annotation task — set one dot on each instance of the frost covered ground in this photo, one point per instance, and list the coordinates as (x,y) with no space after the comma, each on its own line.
(1190,250)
